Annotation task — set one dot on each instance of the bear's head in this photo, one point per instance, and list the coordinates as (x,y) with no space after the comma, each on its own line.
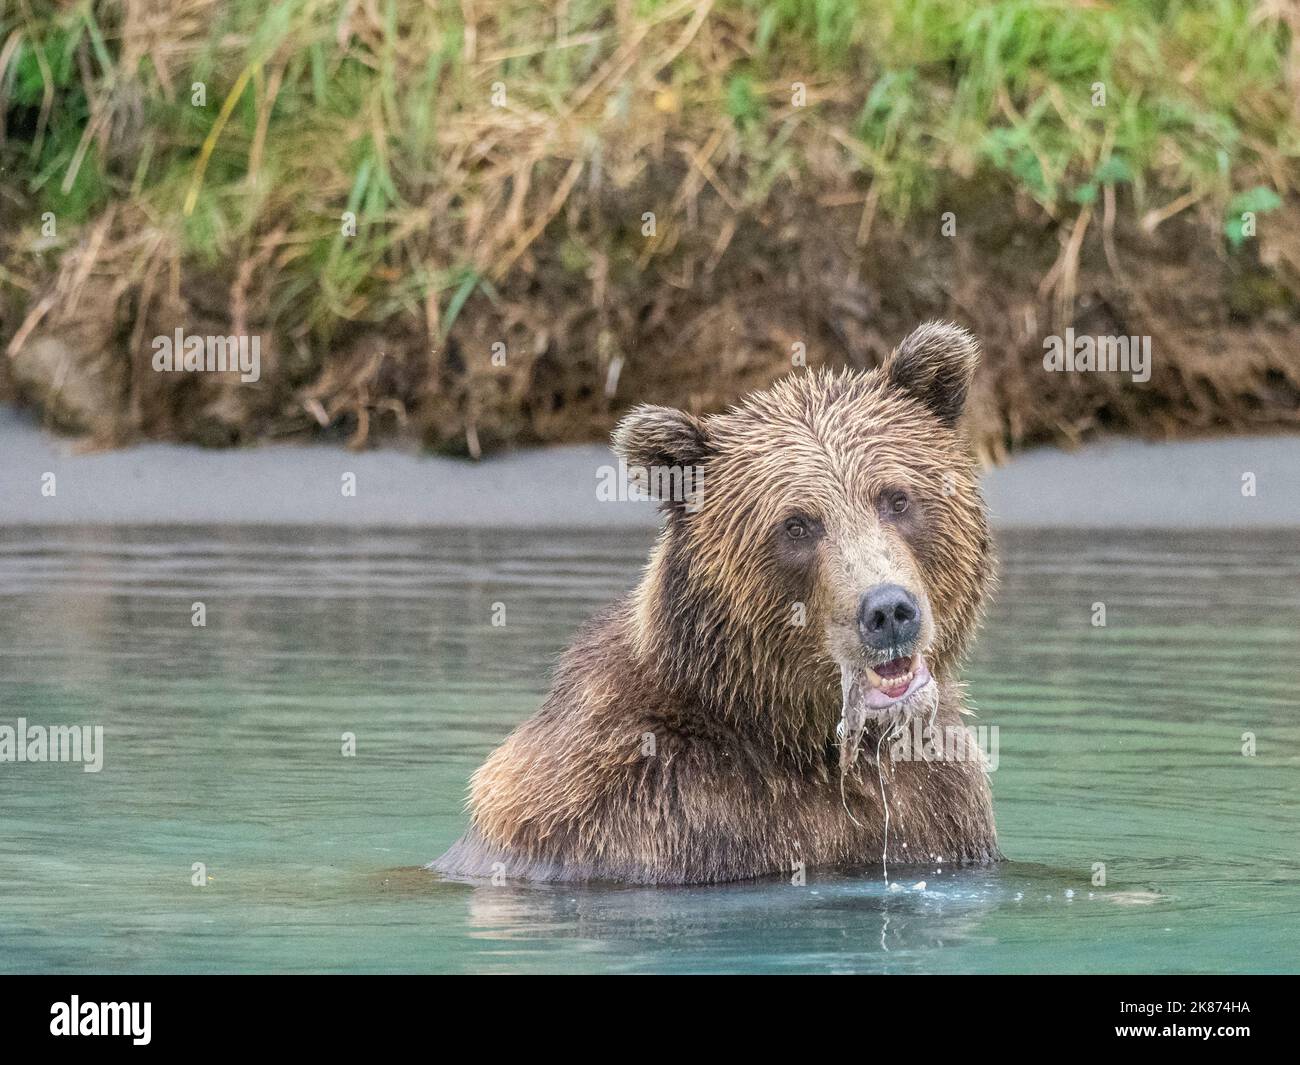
(827,532)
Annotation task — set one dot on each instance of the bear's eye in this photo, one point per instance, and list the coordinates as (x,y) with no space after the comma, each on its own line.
(794,541)
(801,528)
(896,502)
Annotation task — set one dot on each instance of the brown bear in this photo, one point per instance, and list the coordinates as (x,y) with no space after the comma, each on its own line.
(807,605)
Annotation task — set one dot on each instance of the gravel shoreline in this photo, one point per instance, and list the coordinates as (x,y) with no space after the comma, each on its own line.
(1117,484)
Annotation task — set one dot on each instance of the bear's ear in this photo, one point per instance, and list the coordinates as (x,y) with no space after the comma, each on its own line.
(661,437)
(935,365)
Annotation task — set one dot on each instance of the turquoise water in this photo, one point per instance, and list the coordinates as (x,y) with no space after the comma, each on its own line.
(1119,745)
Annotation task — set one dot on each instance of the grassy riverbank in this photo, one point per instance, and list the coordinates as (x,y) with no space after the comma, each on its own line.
(641,200)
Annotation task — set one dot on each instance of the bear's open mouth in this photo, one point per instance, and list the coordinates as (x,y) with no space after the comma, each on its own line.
(894,680)
(881,686)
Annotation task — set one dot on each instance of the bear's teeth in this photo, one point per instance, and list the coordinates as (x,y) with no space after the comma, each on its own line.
(877,681)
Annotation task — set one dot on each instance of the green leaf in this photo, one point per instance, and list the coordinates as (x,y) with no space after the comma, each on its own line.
(1259,199)
(1085,194)
(1113,171)
(457,301)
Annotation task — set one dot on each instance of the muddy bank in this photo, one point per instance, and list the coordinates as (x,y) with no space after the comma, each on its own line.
(556,353)
(1118,484)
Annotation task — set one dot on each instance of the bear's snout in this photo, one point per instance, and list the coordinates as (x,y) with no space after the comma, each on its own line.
(889,619)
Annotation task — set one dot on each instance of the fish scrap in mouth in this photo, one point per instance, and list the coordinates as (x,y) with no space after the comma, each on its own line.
(872,692)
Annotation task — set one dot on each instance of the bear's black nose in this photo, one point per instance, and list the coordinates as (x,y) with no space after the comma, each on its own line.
(889,618)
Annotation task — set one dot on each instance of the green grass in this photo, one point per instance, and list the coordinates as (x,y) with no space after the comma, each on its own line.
(392,120)
(1193,92)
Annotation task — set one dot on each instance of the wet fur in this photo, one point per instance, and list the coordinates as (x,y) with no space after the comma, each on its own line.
(742,705)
